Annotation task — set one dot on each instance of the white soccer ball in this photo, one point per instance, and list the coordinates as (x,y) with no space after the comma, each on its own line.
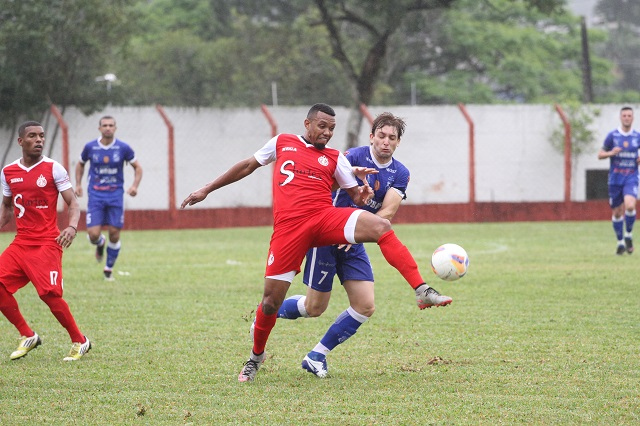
(450,262)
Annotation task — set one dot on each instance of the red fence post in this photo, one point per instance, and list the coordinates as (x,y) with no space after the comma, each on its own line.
(567,154)
(365,112)
(272,122)
(172,168)
(472,159)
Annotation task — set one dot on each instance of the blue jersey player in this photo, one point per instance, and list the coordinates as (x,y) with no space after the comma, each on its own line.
(105,189)
(351,263)
(621,147)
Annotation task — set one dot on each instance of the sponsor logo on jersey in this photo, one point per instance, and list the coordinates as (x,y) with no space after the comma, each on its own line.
(16,180)
(289,148)
(107,170)
(271,259)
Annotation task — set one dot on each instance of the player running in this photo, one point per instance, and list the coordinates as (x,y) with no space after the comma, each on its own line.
(621,147)
(30,189)
(105,189)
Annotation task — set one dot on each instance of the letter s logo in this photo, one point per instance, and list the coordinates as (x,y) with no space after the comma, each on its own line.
(19,206)
(286,172)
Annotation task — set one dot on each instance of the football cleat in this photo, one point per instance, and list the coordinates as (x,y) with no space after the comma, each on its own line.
(621,249)
(317,367)
(427,297)
(78,350)
(628,242)
(251,367)
(25,345)
(108,275)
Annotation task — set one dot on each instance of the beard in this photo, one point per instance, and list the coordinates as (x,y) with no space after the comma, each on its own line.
(319,146)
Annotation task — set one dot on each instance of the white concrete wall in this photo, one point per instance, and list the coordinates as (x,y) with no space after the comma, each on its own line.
(514,159)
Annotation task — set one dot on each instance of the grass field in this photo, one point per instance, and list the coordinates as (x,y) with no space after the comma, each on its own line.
(544,329)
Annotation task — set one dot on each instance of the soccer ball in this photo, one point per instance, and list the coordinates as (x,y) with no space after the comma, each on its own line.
(450,262)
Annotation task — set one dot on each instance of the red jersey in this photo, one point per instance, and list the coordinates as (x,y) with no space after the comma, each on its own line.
(303,175)
(34,191)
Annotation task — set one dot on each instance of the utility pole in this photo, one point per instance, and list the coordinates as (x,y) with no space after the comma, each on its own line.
(587,87)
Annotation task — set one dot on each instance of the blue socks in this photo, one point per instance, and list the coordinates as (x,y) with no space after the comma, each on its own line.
(112,254)
(345,326)
(293,307)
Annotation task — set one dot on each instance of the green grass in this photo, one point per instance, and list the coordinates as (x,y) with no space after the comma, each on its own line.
(542,330)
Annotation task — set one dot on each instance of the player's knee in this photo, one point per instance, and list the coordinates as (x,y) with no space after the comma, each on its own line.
(269,307)
(367,309)
(315,310)
(382,227)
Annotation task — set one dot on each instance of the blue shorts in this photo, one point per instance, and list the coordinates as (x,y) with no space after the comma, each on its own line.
(617,192)
(105,211)
(323,263)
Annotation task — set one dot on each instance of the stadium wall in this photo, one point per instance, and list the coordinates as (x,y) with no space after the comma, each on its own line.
(519,176)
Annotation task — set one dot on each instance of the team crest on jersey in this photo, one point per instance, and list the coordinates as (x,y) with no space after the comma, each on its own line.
(41,182)
(271,259)
(323,160)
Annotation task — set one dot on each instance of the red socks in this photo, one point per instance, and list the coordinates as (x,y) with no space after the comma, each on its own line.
(9,307)
(398,256)
(264,325)
(60,310)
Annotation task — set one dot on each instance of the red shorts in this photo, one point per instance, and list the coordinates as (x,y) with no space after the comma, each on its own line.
(42,265)
(292,237)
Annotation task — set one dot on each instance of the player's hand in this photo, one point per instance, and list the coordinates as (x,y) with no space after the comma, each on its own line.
(193,198)
(78,191)
(346,247)
(365,193)
(66,237)
(133,191)
(615,150)
(362,172)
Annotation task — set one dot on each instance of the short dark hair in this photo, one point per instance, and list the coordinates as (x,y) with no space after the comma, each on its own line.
(388,119)
(23,127)
(320,108)
(106,117)
(626,108)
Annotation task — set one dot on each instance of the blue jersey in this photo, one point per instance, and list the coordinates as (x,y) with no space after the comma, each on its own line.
(624,165)
(323,263)
(391,175)
(106,173)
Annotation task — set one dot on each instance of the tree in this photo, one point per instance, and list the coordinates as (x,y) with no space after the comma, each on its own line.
(53,52)
(500,51)
(622,18)
(361,33)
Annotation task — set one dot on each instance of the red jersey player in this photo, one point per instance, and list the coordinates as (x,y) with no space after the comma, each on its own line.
(30,189)
(304,217)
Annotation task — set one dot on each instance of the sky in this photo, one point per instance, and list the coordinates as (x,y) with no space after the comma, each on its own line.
(583,8)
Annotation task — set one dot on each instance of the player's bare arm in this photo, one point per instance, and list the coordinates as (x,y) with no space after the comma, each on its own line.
(79,173)
(238,171)
(133,189)
(607,154)
(390,204)
(6,211)
(68,234)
